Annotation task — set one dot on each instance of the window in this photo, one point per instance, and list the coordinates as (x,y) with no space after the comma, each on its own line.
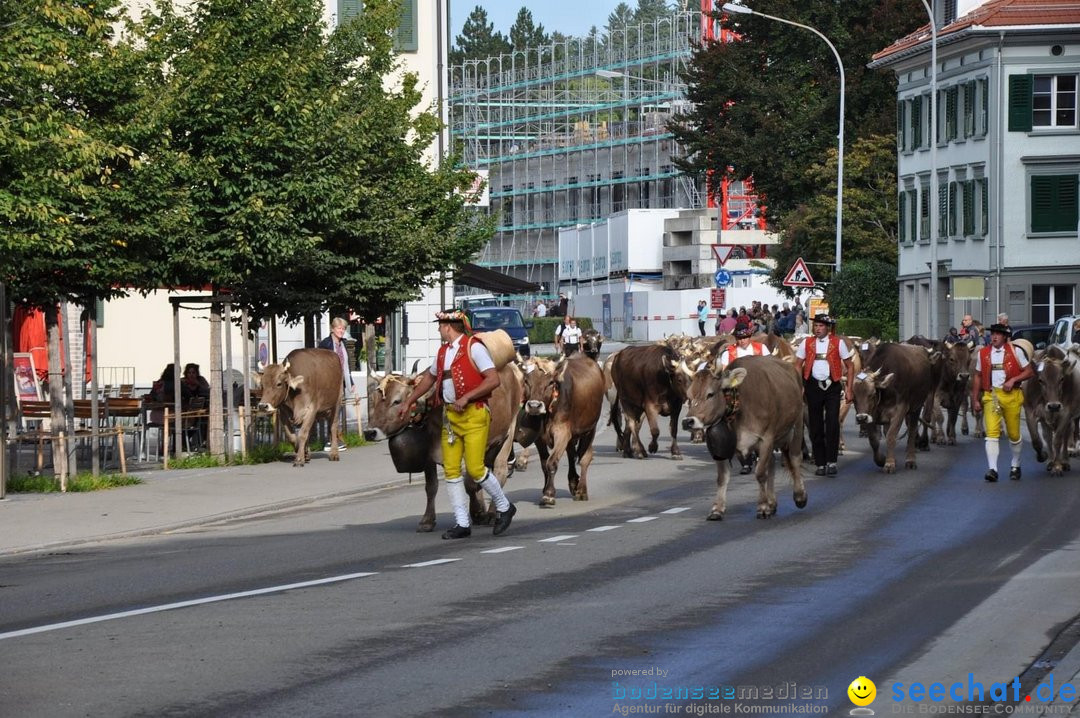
(917,121)
(984,207)
(618,193)
(951,111)
(348,9)
(969,108)
(1041,101)
(943,208)
(1053,203)
(901,125)
(901,213)
(982,117)
(954,208)
(908,216)
(574,199)
(924,212)
(1050,301)
(968,188)
(405,35)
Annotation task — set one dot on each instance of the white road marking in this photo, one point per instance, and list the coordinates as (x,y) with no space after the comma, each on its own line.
(504,549)
(566,544)
(435,562)
(183,604)
(603,528)
(676,510)
(642,519)
(556,539)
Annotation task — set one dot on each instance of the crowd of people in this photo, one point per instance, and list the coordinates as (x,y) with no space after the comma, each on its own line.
(760,317)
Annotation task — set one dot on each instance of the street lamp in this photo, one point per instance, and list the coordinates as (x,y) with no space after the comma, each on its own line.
(935,203)
(742,9)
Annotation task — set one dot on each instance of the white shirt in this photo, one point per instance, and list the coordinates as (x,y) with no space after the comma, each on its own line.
(480,356)
(571,335)
(997,358)
(541,310)
(820,370)
(725,355)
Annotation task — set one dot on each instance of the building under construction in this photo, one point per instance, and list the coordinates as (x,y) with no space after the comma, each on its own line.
(573,132)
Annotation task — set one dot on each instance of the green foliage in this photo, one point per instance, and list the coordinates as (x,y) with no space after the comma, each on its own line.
(197,461)
(866,289)
(525,33)
(543,328)
(42,484)
(478,39)
(768,105)
(869,231)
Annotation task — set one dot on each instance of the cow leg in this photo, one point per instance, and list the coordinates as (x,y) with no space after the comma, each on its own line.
(964,428)
(615,420)
(844,407)
(766,469)
(431,488)
(302,452)
(572,456)
(632,446)
(521,460)
(477,506)
(937,421)
(950,423)
(1060,450)
(912,449)
(1036,437)
(723,473)
(560,438)
(335,431)
(873,433)
(652,415)
(547,497)
(585,451)
(676,452)
(980,429)
(792,459)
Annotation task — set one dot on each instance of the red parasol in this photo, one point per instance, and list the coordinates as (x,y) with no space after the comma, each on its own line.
(28,331)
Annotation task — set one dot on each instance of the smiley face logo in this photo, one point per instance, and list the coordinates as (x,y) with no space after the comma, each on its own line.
(862,691)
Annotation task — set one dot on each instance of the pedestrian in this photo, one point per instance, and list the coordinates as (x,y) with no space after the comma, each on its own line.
(571,337)
(336,343)
(969,330)
(953,337)
(541,309)
(702,315)
(466,376)
(561,308)
(1003,319)
(728,324)
(1000,367)
(826,358)
(742,347)
(799,328)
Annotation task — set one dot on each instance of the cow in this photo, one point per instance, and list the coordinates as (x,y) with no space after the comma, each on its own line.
(952,388)
(416,440)
(305,387)
(591,341)
(648,383)
(1051,407)
(756,405)
(891,390)
(563,403)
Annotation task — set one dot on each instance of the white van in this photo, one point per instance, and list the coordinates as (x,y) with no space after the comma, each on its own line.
(1066,332)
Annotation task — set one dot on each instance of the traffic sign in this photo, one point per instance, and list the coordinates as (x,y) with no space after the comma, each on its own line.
(722,252)
(718,298)
(722,277)
(799,275)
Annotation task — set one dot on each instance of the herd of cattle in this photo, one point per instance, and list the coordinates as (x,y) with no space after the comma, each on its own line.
(753,408)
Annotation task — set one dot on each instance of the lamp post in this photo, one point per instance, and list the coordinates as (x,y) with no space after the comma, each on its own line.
(932,324)
(742,9)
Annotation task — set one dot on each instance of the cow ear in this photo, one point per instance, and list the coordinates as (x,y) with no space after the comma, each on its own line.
(372,383)
(257,378)
(262,367)
(296,381)
(285,365)
(886,381)
(733,378)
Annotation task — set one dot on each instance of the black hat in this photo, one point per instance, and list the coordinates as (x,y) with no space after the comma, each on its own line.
(824,319)
(1000,329)
(743,332)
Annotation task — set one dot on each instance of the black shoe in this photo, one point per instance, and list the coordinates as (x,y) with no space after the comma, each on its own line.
(820,471)
(991,475)
(503,519)
(1014,473)
(831,470)
(456,532)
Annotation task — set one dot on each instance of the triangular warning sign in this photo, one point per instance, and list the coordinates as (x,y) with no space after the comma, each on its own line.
(722,252)
(798,275)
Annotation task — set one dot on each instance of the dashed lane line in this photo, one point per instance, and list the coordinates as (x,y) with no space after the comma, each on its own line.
(676,510)
(603,528)
(642,519)
(503,549)
(434,562)
(556,539)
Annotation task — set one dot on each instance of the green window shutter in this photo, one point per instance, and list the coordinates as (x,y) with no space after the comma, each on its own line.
(900,133)
(348,9)
(405,36)
(969,208)
(1054,203)
(943,208)
(1020,87)
(901,214)
(916,123)
(951,111)
(924,211)
(953,207)
(985,226)
(984,99)
(1068,209)
(913,214)
(969,109)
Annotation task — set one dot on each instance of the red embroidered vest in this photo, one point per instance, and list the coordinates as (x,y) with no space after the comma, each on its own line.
(832,355)
(758,347)
(1011,364)
(463,371)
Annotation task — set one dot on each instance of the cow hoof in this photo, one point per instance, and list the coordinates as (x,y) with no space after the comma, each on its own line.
(910,465)
(1041,456)
(423,528)
(879,461)
(964,430)
(800,501)
(335,457)
(1056,472)
(765,514)
(951,441)
(298,462)
(890,467)
(640,455)
(484,519)
(677,457)
(546,502)
(581,497)
(980,434)
(653,447)
(715,516)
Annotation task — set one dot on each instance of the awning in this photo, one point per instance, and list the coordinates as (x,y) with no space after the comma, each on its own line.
(474,275)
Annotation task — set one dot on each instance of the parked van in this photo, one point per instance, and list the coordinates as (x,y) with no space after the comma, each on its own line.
(1066,332)
(509,319)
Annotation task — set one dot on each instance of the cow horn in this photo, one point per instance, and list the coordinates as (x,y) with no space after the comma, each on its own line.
(415,364)
(285,365)
(262,366)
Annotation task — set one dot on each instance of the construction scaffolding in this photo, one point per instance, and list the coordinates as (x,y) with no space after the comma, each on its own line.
(572,132)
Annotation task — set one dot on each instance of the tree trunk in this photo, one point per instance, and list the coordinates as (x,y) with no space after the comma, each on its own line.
(216,430)
(56,396)
(309,331)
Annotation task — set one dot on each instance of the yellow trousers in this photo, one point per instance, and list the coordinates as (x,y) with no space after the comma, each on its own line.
(470,433)
(1002,406)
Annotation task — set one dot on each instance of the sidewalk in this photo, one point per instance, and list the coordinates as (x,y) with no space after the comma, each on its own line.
(169,500)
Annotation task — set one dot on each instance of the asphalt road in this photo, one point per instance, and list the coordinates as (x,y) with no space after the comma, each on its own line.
(924,575)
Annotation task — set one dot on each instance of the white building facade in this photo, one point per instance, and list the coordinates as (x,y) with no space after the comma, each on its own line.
(1008,162)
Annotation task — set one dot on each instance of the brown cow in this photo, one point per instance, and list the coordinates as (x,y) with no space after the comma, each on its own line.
(563,403)
(1052,405)
(305,387)
(420,449)
(591,341)
(953,386)
(755,405)
(648,382)
(892,389)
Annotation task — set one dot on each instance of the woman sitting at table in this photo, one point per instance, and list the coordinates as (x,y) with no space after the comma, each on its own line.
(194,384)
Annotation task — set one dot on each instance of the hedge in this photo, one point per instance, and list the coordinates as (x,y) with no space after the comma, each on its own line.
(543,328)
(866,328)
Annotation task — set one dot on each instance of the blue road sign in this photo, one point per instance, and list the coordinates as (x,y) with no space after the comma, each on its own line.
(723,278)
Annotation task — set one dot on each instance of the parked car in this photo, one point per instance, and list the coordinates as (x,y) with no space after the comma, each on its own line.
(509,319)
(1066,332)
(1037,334)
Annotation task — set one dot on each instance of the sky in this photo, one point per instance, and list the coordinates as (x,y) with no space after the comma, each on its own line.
(570,17)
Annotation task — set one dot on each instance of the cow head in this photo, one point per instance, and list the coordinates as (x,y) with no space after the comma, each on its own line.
(1052,376)
(387,394)
(709,396)
(540,385)
(277,383)
(680,378)
(591,341)
(867,394)
(957,358)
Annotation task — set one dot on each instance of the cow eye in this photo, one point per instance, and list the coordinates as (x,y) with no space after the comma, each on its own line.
(395,402)
(710,395)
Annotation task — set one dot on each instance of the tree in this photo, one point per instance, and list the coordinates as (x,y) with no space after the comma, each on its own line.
(866,289)
(869,231)
(478,39)
(524,33)
(648,11)
(620,18)
(767,105)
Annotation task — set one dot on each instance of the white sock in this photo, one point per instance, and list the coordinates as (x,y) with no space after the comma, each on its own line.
(992,451)
(1016,446)
(490,484)
(459,499)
